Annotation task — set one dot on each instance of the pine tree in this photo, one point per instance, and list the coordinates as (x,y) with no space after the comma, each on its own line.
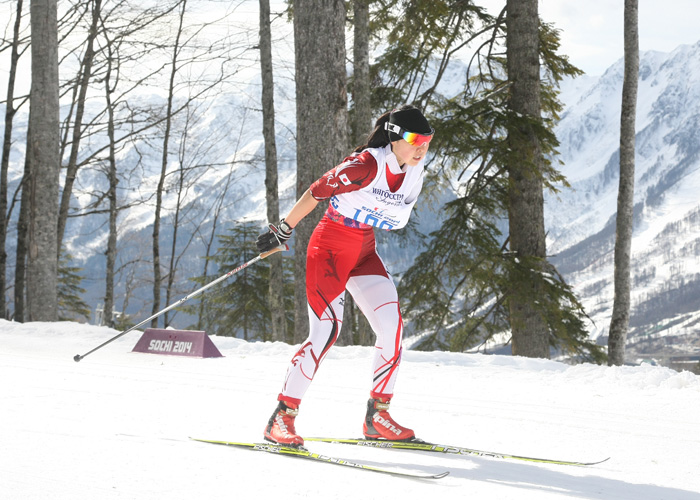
(457,290)
(70,304)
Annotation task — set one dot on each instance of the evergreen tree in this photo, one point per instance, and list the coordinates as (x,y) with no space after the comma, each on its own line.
(70,304)
(458,288)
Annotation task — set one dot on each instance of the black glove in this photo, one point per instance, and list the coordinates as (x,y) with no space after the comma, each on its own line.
(275,237)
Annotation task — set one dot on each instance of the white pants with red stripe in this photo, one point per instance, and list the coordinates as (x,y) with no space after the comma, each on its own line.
(341,258)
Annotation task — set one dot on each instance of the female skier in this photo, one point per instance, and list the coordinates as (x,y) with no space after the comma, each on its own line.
(376,186)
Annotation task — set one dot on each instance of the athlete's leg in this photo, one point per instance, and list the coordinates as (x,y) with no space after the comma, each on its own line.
(376,297)
(332,253)
(323,332)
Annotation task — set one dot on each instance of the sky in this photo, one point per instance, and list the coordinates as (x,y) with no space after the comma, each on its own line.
(592,30)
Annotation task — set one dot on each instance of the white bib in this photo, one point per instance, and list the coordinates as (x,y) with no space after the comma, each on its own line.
(375,205)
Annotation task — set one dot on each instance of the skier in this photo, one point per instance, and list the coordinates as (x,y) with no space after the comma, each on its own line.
(377,186)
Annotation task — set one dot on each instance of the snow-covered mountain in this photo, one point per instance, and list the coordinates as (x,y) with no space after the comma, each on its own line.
(666,244)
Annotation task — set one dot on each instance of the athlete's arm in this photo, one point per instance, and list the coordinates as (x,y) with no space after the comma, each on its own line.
(354,173)
(301,208)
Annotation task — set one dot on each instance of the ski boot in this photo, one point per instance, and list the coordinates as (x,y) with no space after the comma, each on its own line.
(379,424)
(280,428)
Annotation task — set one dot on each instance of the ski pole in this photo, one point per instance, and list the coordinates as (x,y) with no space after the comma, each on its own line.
(282,247)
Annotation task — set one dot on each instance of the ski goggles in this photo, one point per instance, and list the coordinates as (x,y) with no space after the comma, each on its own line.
(412,138)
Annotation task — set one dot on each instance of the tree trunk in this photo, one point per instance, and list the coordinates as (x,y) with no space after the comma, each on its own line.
(356,323)
(111,253)
(164,165)
(321,100)
(625,198)
(362,107)
(42,296)
(6,146)
(172,266)
(22,237)
(525,189)
(275,293)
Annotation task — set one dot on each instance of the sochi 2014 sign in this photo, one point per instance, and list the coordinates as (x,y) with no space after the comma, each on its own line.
(177,343)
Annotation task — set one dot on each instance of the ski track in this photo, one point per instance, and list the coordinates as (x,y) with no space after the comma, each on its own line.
(116,425)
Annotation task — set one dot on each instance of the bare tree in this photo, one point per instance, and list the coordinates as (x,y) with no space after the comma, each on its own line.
(205,317)
(321,100)
(113,180)
(44,163)
(276,294)
(186,52)
(22,243)
(164,165)
(186,178)
(525,187)
(92,136)
(80,91)
(117,41)
(619,323)
(10,110)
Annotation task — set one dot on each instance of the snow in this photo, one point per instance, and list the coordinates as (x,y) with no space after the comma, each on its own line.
(116,425)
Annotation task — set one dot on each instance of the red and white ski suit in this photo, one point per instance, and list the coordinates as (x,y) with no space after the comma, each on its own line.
(367,190)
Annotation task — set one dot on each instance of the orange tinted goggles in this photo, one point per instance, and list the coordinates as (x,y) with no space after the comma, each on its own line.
(412,138)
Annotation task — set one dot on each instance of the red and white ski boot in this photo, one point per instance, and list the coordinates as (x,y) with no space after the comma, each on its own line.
(379,424)
(280,428)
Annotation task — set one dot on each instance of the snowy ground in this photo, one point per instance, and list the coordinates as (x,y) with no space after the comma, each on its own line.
(116,425)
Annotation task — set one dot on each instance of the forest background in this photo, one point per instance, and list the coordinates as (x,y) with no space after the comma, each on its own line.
(161,168)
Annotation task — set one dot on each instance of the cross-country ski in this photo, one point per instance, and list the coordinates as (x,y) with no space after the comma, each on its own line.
(301,452)
(419,445)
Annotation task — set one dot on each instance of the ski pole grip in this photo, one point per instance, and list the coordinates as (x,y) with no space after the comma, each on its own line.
(282,247)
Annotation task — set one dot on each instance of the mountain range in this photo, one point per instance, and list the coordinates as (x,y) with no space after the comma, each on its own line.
(666,238)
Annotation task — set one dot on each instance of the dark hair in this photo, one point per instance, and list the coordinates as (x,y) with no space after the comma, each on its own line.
(380,137)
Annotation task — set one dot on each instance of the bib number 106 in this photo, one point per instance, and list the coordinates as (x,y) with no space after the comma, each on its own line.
(371,220)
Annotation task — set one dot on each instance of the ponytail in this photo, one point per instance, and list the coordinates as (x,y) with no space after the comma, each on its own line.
(379,137)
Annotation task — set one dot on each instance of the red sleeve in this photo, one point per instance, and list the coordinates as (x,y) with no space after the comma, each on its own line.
(354,173)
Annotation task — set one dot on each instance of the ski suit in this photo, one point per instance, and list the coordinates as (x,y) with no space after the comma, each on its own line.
(368,190)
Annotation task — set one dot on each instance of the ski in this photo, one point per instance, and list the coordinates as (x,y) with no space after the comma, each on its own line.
(419,445)
(309,455)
